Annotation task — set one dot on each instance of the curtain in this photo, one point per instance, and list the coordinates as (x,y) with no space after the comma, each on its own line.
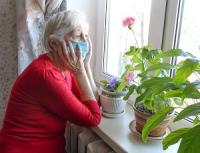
(31,17)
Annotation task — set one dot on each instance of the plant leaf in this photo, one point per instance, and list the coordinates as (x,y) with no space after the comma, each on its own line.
(190,91)
(188,67)
(155,81)
(174,137)
(157,67)
(154,120)
(174,93)
(196,120)
(152,91)
(104,82)
(135,59)
(191,141)
(190,110)
(129,67)
(160,102)
(121,86)
(174,52)
(130,91)
(139,66)
(131,51)
(178,101)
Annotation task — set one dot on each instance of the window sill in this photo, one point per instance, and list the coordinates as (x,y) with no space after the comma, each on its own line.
(115,132)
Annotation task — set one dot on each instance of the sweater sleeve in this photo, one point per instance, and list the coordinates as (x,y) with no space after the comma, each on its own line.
(75,87)
(55,95)
(76,90)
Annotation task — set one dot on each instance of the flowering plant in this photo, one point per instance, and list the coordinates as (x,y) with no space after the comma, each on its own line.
(158,92)
(129,22)
(118,85)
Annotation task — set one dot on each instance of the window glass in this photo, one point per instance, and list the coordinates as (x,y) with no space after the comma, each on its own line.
(119,38)
(190,27)
(189,33)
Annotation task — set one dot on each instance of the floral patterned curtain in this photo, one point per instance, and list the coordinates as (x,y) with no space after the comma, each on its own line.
(31,16)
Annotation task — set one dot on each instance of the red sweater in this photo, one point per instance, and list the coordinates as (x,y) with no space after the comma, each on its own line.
(40,103)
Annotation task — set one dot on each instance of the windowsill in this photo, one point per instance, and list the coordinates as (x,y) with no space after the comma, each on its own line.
(116,133)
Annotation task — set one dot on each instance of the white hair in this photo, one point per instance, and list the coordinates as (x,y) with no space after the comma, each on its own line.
(63,24)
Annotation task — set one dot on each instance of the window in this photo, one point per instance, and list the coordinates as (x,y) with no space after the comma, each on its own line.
(119,38)
(187,33)
(190,27)
(113,39)
(163,23)
(182,29)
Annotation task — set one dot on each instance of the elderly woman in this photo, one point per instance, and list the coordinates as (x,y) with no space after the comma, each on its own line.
(56,87)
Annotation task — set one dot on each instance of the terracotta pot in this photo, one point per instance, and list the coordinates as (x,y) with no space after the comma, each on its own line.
(141,118)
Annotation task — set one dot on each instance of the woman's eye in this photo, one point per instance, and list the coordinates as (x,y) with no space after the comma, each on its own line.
(68,37)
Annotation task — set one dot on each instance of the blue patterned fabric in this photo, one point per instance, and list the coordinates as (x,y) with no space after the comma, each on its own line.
(31,18)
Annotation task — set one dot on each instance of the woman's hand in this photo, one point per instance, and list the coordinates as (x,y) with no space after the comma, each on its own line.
(73,63)
(89,54)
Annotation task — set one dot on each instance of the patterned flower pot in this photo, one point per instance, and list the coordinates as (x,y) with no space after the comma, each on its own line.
(112,102)
(141,118)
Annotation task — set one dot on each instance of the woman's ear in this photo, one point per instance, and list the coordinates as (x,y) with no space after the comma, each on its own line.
(53,43)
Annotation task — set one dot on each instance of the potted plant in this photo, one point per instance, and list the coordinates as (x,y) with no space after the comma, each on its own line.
(188,137)
(112,93)
(161,87)
(158,93)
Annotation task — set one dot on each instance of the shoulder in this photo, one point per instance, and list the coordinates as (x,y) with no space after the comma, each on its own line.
(41,69)
(41,66)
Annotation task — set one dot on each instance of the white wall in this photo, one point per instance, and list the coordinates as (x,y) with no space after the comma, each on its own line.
(89,7)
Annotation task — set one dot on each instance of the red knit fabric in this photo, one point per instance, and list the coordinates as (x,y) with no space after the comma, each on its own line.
(40,103)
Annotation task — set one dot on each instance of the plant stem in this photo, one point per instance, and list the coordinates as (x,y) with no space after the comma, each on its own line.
(135,38)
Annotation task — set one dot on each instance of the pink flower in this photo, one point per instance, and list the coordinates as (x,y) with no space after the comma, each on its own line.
(129,76)
(128,21)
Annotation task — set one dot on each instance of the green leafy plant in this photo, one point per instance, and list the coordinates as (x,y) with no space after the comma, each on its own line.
(189,137)
(156,89)
(162,87)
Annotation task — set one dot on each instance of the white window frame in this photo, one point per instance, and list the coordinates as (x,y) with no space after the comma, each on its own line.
(155,33)
(171,25)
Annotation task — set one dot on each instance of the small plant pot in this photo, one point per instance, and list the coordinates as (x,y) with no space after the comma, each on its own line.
(112,102)
(141,118)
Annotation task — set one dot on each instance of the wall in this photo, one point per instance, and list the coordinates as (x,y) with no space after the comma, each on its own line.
(8,51)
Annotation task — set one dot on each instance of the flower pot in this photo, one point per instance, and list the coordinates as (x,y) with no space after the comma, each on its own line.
(141,118)
(112,102)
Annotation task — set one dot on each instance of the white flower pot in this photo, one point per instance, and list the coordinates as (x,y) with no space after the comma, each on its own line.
(111,104)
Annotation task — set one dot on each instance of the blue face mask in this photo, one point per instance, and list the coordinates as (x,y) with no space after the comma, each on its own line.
(83,45)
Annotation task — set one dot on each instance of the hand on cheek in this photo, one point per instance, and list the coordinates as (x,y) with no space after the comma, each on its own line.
(58,57)
(89,54)
(74,62)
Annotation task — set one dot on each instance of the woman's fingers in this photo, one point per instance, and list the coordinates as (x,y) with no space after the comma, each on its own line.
(89,53)
(79,53)
(65,51)
(70,62)
(90,45)
(72,53)
(60,53)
